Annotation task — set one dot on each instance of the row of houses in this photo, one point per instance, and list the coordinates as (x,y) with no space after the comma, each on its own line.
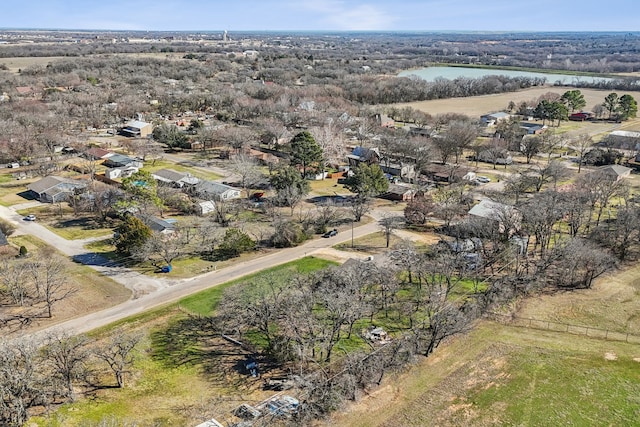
(55,189)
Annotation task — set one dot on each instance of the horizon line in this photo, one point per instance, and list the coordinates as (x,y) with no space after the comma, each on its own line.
(323,31)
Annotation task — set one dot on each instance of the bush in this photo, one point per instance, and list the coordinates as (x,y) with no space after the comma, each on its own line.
(6,227)
(288,234)
(234,243)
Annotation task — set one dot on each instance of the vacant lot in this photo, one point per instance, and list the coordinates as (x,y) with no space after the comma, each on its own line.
(505,375)
(613,303)
(501,375)
(476,106)
(93,291)
(16,64)
(185,373)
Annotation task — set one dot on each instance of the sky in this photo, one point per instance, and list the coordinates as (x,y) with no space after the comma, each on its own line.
(324,15)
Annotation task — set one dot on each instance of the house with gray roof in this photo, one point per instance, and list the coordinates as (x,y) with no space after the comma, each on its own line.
(615,172)
(120,160)
(489,209)
(158,225)
(212,190)
(137,128)
(494,118)
(121,166)
(54,189)
(505,217)
(174,178)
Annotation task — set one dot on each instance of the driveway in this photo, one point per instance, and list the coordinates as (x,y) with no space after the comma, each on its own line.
(136,282)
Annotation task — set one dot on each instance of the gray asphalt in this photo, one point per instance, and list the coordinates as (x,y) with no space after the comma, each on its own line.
(152,292)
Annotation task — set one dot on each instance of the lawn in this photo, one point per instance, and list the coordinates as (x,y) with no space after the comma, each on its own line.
(587,389)
(10,190)
(374,243)
(205,302)
(327,187)
(164,164)
(176,381)
(81,228)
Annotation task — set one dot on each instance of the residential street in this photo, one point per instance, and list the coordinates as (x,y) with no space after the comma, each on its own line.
(152,292)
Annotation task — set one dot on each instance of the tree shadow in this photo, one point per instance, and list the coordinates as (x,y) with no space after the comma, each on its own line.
(83,223)
(195,341)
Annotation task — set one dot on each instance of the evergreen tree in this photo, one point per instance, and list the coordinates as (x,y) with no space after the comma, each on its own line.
(628,107)
(305,152)
(368,181)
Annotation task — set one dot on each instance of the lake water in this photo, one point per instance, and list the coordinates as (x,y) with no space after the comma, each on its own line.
(431,73)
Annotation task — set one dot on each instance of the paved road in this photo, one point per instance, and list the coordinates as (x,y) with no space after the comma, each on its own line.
(136,282)
(174,290)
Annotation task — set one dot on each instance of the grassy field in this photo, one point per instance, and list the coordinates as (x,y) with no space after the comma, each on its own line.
(176,380)
(163,164)
(18,63)
(506,375)
(475,106)
(500,375)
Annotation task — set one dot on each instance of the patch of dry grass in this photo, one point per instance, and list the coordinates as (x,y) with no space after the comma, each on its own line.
(476,106)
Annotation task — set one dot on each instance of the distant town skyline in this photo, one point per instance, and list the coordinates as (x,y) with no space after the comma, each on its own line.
(323,15)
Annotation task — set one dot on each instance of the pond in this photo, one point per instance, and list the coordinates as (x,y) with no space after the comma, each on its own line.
(431,73)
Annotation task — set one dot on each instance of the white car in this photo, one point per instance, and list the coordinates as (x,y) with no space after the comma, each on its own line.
(483,179)
(30,217)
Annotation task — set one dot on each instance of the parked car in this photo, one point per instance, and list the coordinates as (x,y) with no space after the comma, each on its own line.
(30,217)
(483,179)
(330,233)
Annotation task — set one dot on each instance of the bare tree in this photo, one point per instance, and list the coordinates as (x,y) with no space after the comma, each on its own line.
(518,184)
(459,135)
(330,139)
(15,280)
(540,215)
(119,352)
(577,263)
(325,214)
(162,249)
(24,381)
(622,234)
(530,146)
(360,206)
(496,151)
(389,224)
(69,355)
(553,171)
(275,131)
(582,144)
(248,170)
(50,279)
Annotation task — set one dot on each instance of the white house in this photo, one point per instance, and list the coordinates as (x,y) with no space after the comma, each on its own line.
(206,207)
(494,118)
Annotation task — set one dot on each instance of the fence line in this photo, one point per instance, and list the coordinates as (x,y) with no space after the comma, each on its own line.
(550,325)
